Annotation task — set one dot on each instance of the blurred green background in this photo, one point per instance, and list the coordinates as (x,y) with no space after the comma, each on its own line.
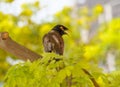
(94,35)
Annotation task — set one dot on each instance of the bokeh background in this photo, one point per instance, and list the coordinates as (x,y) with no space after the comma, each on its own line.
(94,26)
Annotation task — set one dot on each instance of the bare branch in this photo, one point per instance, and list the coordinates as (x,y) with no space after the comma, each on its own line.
(10,46)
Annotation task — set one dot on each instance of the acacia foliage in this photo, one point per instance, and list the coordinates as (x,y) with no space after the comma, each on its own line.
(43,73)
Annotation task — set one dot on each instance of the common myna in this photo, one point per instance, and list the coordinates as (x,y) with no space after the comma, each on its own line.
(53,41)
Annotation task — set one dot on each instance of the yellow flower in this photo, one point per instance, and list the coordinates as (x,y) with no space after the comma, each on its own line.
(98,9)
(91,51)
(27,12)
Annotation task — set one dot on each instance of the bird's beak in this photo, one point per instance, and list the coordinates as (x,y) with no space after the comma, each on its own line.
(67,32)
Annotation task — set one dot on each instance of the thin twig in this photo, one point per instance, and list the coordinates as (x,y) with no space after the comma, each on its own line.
(91,78)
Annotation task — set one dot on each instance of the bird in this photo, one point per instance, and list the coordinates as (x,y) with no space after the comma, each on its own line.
(53,41)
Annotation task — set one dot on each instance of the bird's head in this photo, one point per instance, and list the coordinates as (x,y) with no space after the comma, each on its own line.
(60,29)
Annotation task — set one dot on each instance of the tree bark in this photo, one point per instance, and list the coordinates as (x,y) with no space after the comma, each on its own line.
(10,46)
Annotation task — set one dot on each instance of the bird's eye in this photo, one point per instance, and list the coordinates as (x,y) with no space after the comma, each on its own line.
(61,28)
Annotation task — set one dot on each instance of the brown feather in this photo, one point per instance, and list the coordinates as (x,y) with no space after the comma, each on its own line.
(53,42)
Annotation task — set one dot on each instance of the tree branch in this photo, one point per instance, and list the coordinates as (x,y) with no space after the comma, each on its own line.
(10,46)
(91,78)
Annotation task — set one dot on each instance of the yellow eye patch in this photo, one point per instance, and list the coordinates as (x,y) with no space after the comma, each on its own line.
(61,28)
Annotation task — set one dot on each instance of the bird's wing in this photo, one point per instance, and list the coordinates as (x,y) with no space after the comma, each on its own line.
(58,44)
(53,43)
(48,46)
